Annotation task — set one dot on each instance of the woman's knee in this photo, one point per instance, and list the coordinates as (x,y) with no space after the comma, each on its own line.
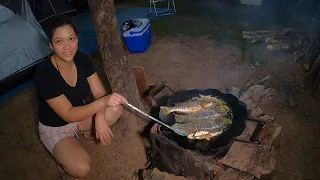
(81,169)
(112,114)
(70,154)
(114,111)
(118,110)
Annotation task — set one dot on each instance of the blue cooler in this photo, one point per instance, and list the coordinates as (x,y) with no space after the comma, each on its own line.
(138,38)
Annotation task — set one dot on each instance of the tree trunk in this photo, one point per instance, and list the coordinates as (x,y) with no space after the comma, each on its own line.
(116,68)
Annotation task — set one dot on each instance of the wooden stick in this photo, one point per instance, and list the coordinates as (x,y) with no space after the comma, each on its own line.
(143,86)
(262,80)
(141,79)
(316,85)
(258,32)
(310,77)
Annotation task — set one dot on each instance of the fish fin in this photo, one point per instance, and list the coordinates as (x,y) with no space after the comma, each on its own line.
(201,96)
(181,121)
(206,104)
(165,110)
(175,125)
(191,136)
(179,117)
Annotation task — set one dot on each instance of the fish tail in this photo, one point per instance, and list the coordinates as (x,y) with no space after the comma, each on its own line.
(226,121)
(223,108)
(165,110)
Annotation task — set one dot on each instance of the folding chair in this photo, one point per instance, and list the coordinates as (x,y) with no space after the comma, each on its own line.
(165,12)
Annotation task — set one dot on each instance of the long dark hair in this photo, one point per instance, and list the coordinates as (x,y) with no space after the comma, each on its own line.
(58,21)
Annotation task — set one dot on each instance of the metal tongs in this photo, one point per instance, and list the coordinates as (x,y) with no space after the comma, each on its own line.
(177,131)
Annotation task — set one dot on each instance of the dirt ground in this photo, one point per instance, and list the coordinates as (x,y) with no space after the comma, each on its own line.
(184,62)
(188,63)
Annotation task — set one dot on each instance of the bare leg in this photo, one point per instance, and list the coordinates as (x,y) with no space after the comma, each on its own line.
(86,124)
(73,157)
(86,127)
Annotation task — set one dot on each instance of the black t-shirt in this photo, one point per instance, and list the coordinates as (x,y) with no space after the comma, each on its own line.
(50,84)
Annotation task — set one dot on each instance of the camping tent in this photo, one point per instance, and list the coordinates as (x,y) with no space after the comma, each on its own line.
(23,43)
(43,10)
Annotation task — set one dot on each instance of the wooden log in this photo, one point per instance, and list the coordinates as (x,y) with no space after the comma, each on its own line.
(155,174)
(312,55)
(141,80)
(248,131)
(233,174)
(244,157)
(315,89)
(265,33)
(254,39)
(279,43)
(311,76)
(246,86)
(255,159)
(143,86)
(254,33)
(301,54)
(170,157)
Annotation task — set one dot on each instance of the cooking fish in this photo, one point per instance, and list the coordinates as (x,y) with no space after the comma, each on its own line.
(194,104)
(209,113)
(210,98)
(203,125)
(185,107)
(202,102)
(208,135)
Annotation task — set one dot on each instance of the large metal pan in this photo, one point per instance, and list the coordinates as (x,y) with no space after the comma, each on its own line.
(239,115)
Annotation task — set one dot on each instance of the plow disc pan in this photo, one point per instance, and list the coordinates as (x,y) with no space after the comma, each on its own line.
(239,115)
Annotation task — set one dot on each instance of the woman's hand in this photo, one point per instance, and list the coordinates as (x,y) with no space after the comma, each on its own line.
(114,100)
(103,131)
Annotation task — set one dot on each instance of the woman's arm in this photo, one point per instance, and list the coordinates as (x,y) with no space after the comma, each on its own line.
(96,86)
(103,131)
(62,106)
(97,91)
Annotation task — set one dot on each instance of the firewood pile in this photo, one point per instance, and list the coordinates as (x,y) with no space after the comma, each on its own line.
(278,40)
(306,51)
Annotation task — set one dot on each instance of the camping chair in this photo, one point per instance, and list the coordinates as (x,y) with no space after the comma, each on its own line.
(167,11)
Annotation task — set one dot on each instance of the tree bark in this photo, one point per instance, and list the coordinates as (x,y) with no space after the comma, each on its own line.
(116,67)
